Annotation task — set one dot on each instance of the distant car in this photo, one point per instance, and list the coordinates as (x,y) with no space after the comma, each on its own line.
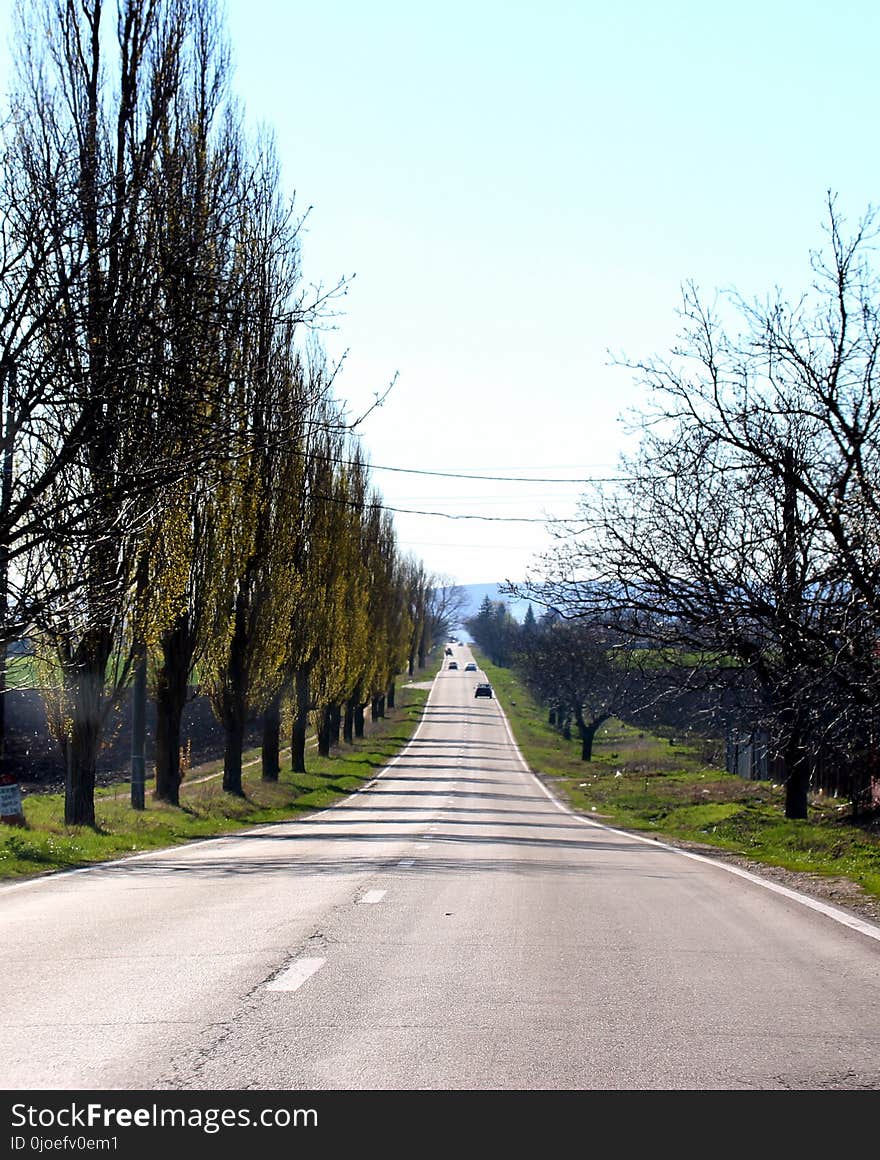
(452,665)
(470,667)
(449,652)
(483,690)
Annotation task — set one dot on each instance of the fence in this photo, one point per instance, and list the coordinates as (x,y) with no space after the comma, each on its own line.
(748,755)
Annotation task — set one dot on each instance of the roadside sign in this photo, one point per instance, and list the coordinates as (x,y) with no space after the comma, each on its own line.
(10,800)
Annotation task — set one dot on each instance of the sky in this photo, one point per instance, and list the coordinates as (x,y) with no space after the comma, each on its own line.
(516,193)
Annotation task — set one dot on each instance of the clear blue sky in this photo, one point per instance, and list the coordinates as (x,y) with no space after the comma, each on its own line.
(521,188)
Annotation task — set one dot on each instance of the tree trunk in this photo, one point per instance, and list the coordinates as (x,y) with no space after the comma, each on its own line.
(348,723)
(169,714)
(588,732)
(324,732)
(797,766)
(359,720)
(271,750)
(79,797)
(3,648)
(87,710)
(797,780)
(392,693)
(8,389)
(234,702)
(171,694)
(139,729)
(232,749)
(300,721)
(335,713)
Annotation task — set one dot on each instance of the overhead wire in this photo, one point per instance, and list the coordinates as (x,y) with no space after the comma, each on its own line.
(344,461)
(497,478)
(491,519)
(375,503)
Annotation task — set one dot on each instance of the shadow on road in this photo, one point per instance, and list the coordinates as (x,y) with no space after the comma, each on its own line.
(555,850)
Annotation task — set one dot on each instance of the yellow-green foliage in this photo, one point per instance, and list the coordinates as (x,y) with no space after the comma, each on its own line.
(56,699)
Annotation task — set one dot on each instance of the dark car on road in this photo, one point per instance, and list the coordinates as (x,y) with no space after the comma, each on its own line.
(452,665)
(470,667)
(483,690)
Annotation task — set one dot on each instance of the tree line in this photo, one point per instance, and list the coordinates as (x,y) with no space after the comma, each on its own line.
(739,547)
(183,497)
(581,672)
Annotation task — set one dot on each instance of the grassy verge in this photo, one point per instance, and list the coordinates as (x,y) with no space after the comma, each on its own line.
(669,788)
(46,844)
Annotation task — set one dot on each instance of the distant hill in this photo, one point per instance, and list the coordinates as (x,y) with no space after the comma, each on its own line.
(476,594)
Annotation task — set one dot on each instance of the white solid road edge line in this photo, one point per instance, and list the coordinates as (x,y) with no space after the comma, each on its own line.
(832,912)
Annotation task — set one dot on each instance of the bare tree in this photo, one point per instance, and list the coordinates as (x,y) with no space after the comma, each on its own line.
(447,603)
(573,667)
(741,543)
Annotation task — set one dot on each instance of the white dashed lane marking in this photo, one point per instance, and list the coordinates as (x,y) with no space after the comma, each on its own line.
(373,896)
(295,975)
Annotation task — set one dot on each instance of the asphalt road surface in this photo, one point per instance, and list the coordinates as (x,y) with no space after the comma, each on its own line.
(448,927)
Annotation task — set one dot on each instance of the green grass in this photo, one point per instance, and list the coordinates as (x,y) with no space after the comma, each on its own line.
(671,787)
(206,811)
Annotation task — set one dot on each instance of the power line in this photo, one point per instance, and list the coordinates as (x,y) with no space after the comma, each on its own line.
(377,503)
(482,500)
(492,478)
(368,466)
(491,519)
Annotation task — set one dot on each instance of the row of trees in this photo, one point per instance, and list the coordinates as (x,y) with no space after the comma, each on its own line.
(180,488)
(741,544)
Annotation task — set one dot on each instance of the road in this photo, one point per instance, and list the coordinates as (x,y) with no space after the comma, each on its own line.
(448,927)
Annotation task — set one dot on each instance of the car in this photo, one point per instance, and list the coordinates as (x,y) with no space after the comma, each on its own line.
(483,690)
(449,652)
(470,667)
(452,665)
